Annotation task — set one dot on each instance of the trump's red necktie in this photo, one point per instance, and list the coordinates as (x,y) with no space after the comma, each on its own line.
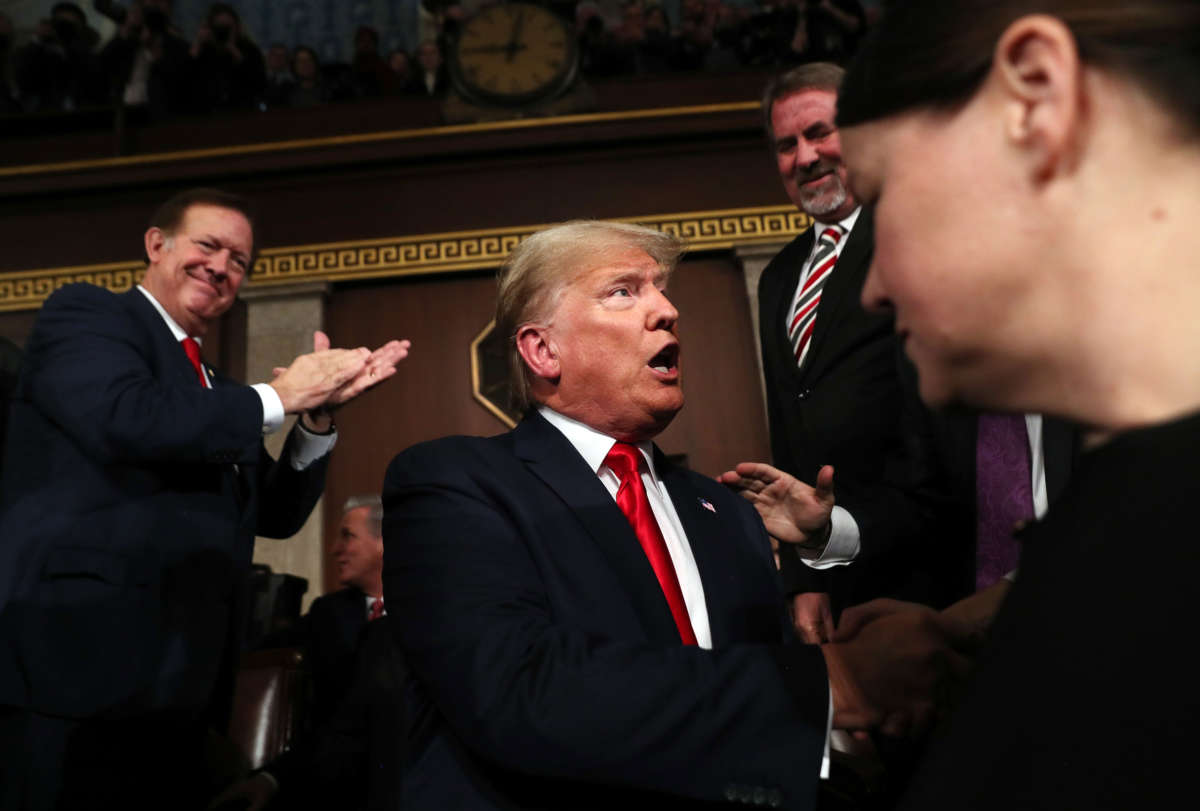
(623,460)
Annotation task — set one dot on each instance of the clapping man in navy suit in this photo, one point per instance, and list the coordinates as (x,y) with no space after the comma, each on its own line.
(135,481)
(586,624)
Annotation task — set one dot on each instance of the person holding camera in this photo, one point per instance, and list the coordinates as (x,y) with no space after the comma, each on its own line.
(57,71)
(228,68)
(147,60)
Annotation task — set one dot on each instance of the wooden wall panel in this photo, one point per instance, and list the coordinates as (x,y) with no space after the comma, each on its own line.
(722,422)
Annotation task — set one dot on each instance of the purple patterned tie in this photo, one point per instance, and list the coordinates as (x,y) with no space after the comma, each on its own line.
(1003,494)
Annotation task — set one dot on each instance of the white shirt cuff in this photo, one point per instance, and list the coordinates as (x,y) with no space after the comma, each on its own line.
(272,407)
(844,543)
(308,447)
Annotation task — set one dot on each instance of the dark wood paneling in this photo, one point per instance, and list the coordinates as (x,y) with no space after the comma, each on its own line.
(723,418)
(720,425)
(429,397)
(17,326)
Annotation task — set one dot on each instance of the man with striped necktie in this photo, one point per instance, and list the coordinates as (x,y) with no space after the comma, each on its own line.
(833,390)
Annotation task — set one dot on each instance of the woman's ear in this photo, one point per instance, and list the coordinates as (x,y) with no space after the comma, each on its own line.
(1036,68)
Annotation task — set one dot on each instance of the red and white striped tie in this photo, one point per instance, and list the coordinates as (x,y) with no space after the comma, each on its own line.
(804,310)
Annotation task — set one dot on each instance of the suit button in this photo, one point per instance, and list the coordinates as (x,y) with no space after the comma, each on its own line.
(804,394)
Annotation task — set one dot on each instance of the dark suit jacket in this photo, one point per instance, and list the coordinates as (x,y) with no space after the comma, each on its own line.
(131,501)
(945,472)
(1085,694)
(333,629)
(355,759)
(534,626)
(843,408)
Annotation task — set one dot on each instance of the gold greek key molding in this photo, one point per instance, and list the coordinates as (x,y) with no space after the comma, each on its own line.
(450,252)
(26,290)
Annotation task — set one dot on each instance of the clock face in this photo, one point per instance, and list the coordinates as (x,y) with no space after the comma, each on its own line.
(513,53)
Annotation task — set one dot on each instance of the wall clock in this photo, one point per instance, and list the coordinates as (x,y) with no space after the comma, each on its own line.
(513,54)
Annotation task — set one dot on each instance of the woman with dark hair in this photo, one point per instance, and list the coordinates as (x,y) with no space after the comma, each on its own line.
(1035,171)
(310,89)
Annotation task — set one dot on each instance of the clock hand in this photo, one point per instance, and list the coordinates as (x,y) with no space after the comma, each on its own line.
(516,36)
(485,49)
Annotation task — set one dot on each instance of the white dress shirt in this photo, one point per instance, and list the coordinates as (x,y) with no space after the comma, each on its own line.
(593,446)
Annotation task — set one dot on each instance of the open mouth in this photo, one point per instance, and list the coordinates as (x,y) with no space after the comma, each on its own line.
(667,359)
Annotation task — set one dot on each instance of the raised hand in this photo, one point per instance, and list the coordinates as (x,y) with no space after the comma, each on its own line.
(327,378)
(792,511)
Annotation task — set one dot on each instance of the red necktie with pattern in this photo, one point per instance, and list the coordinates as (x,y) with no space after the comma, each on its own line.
(623,460)
(804,311)
(376,609)
(193,352)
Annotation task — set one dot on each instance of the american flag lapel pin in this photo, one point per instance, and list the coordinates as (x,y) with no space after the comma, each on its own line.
(706,504)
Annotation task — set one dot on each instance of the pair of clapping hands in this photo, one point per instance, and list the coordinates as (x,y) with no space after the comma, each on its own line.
(893,666)
(315,384)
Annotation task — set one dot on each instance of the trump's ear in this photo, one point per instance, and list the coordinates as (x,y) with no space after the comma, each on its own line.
(533,343)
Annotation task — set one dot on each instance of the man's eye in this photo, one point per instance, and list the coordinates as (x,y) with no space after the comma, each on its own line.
(622,291)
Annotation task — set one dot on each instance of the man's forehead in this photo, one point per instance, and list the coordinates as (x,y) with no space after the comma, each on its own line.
(625,260)
(809,102)
(209,216)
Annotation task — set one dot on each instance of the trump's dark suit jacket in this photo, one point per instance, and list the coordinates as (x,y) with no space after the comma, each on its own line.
(534,627)
(131,499)
(843,408)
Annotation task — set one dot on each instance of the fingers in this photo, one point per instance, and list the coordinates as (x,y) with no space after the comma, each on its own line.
(826,626)
(320,341)
(810,633)
(824,484)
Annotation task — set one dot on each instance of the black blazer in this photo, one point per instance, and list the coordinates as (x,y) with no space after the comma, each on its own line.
(843,408)
(333,629)
(1085,695)
(945,472)
(131,498)
(535,629)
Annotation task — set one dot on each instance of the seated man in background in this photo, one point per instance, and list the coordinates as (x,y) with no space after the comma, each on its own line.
(357,682)
(335,623)
(586,624)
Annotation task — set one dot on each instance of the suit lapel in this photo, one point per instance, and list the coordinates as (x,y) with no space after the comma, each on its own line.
(1059,448)
(553,459)
(173,363)
(842,289)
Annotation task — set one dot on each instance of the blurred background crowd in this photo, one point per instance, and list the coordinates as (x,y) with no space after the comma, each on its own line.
(158,59)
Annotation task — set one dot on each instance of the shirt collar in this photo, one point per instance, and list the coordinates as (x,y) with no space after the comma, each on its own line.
(592,445)
(847,223)
(176,330)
